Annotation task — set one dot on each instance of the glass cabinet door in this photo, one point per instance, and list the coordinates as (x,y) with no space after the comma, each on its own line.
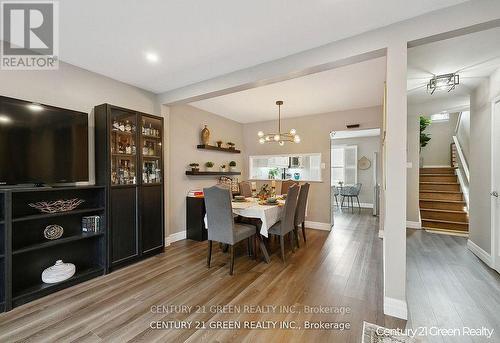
(151,150)
(123,147)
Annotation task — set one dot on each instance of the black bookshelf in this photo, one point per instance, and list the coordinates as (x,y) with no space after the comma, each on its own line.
(26,252)
(3,245)
(133,177)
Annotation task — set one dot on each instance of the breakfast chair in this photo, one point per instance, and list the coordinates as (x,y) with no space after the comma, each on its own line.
(245,189)
(286,224)
(350,193)
(287,184)
(300,212)
(221,225)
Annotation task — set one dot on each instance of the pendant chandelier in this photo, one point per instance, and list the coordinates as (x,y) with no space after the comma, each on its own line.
(279,137)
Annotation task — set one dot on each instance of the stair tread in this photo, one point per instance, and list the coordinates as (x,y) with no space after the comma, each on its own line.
(436,174)
(434,191)
(444,221)
(438,183)
(441,210)
(435,229)
(438,200)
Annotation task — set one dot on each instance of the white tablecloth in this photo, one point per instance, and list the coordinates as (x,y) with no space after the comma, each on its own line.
(268,214)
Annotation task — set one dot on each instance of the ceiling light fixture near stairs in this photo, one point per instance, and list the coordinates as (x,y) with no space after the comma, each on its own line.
(279,137)
(446,82)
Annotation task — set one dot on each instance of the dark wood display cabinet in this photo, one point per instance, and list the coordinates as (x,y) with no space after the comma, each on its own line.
(27,248)
(129,163)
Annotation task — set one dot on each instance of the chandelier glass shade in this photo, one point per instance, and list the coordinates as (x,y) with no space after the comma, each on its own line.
(279,137)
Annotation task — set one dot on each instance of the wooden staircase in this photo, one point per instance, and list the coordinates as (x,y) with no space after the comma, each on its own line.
(442,205)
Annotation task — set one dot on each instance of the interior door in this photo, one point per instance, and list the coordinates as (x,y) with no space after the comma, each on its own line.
(495,173)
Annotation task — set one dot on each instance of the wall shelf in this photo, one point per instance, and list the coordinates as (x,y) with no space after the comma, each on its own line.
(216,148)
(210,173)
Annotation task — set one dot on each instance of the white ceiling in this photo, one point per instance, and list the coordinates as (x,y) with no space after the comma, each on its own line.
(355,133)
(197,40)
(353,86)
(474,57)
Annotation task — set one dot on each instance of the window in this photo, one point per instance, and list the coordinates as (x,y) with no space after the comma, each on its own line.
(444,116)
(344,164)
(300,167)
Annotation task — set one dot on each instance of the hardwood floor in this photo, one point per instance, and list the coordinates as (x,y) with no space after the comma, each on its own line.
(449,287)
(338,268)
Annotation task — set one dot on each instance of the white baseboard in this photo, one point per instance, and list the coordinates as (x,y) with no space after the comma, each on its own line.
(479,252)
(395,308)
(366,205)
(318,225)
(178,236)
(413,225)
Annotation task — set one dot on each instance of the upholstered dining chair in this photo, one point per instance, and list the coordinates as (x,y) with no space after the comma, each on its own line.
(287,184)
(286,224)
(221,225)
(300,212)
(245,189)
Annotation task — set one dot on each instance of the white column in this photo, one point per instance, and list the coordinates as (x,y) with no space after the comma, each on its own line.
(395,195)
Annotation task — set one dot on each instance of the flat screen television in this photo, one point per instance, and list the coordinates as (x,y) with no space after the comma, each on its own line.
(42,144)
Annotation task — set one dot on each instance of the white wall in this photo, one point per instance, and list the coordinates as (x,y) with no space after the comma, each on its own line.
(314,131)
(185,125)
(480,161)
(77,89)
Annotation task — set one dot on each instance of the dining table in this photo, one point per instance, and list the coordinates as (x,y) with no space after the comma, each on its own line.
(267,214)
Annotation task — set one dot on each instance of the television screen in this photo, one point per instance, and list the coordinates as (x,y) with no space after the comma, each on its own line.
(42,144)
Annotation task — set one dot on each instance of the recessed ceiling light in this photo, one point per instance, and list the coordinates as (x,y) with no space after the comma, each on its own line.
(152,57)
(35,107)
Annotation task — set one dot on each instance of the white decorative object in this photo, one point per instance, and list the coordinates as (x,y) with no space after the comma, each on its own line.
(57,206)
(58,272)
(53,231)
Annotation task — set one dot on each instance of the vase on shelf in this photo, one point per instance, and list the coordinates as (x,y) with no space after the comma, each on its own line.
(205,136)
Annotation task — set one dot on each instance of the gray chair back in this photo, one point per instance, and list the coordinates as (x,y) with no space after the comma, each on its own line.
(245,189)
(219,214)
(300,212)
(285,185)
(288,214)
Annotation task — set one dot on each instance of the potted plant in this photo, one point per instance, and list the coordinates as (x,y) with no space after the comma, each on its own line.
(232,166)
(219,144)
(424,137)
(273,173)
(194,167)
(230,145)
(209,165)
(223,168)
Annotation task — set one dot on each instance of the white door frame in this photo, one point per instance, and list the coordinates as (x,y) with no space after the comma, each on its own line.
(495,225)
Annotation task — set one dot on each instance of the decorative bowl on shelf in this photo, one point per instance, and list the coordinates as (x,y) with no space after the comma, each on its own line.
(53,231)
(57,206)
